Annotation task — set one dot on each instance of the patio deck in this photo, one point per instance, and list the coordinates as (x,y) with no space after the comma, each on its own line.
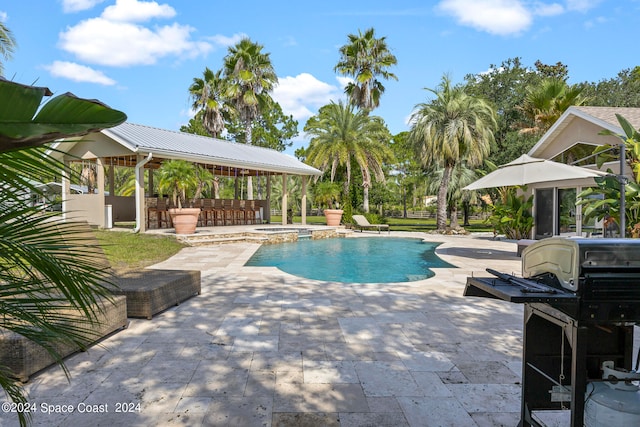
(263,348)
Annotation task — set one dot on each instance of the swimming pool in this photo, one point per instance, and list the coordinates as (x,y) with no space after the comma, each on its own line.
(353,260)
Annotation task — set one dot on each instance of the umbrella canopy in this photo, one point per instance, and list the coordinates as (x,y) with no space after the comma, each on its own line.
(529,170)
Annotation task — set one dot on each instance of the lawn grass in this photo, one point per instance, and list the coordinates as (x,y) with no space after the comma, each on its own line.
(399,224)
(132,251)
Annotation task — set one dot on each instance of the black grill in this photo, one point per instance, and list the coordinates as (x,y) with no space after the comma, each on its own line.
(582,298)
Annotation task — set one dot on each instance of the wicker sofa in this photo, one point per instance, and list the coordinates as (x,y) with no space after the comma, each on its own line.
(136,294)
(24,357)
(149,291)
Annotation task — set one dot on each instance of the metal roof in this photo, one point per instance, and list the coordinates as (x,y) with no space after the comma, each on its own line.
(168,144)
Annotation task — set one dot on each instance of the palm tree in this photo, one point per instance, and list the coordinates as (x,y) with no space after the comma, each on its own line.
(461,176)
(341,136)
(207,94)
(46,266)
(545,103)
(365,58)
(250,77)
(451,128)
(7,44)
(178,178)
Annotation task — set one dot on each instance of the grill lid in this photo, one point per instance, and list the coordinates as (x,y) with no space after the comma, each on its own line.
(571,259)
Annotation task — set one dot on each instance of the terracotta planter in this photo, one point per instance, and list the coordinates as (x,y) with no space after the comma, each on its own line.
(185,219)
(333,216)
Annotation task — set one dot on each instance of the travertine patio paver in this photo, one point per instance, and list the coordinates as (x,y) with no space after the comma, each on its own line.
(263,348)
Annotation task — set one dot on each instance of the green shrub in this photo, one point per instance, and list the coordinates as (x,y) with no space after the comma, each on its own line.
(512,217)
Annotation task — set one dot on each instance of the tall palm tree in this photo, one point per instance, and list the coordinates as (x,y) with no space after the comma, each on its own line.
(341,136)
(449,129)
(46,266)
(7,44)
(207,94)
(250,77)
(545,103)
(366,58)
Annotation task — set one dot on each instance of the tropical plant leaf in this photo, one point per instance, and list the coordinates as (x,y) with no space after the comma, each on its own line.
(52,282)
(66,115)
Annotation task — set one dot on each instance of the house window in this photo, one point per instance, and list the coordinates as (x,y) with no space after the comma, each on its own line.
(544,212)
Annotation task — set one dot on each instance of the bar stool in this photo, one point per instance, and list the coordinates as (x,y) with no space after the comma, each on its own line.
(254,211)
(228,212)
(160,212)
(247,210)
(151,203)
(238,211)
(206,212)
(218,212)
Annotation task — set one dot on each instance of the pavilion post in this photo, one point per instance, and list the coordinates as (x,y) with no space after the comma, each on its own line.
(303,206)
(267,209)
(284,199)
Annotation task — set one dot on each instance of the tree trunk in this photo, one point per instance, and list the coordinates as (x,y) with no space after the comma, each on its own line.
(465,207)
(366,184)
(441,215)
(454,217)
(216,188)
(365,198)
(404,202)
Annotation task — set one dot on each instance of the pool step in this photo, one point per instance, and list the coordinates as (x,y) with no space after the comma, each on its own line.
(210,240)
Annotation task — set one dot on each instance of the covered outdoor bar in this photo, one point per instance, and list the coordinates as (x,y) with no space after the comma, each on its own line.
(145,148)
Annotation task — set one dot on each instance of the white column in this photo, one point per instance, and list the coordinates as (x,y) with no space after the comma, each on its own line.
(284,199)
(304,200)
(267,208)
(100,184)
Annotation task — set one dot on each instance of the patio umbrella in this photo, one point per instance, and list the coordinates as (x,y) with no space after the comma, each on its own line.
(529,170)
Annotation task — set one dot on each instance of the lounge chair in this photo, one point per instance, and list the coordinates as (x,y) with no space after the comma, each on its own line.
(363,224)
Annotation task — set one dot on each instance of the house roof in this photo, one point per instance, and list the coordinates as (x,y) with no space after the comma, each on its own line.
(166,144)
(604,117)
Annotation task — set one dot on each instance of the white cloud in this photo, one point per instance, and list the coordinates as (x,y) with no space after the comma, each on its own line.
(344,81)
(3,16)
(104,42)
(78,73)
(501,17)
(302,95)
(543,9)
(70,6)
(226,41)
(290,41)
(596,21)
(137,11)
(582,5)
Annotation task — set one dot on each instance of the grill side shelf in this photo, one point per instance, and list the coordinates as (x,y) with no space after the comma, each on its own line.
(490,287)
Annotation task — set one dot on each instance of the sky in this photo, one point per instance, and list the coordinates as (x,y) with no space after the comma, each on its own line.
(141,56)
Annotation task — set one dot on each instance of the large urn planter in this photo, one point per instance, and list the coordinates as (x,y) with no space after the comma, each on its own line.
(333,216)
(184,220)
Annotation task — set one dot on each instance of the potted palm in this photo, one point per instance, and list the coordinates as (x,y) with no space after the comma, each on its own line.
(179,178)
(328,194)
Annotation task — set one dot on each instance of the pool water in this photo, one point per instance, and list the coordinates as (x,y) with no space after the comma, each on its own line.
(353,260)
